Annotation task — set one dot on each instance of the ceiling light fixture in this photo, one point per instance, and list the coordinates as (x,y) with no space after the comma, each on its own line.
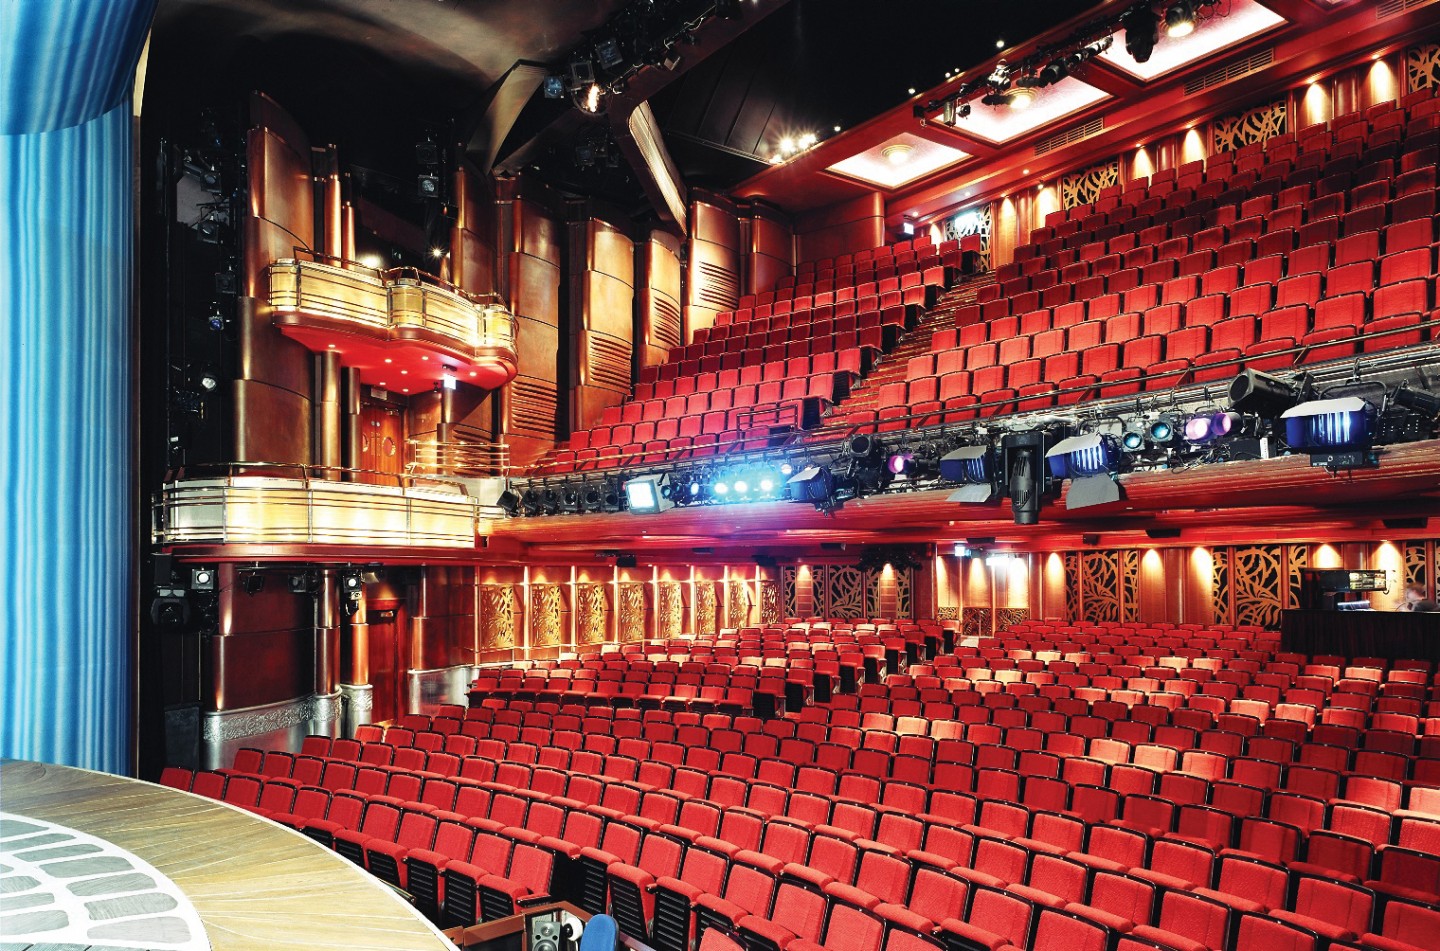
(1180,19)
(897,154)
(1021,98)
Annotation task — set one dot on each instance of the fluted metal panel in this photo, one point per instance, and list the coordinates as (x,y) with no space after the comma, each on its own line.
(66,280)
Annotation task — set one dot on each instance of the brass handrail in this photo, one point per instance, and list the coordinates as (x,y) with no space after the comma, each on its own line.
(229,470)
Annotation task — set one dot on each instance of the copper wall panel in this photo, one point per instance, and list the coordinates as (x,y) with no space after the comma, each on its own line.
(271,631)
(658,294)
(771,251)
(841,229)
(602,318)
(527,408)
(713,275)
(281,192)
(271,424)
(264,354)
(472,245)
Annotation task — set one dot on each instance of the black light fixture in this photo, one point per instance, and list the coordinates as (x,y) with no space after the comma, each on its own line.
(1180,19)
(352,584)
(554,87)
(427,185)
(302,582)
(1025,478)
(1426,404)
(593,498)
(571,499)
(427,151)
(1261,394)
(1142,31)
(509,502)
(1090,462)
(582,73)
(608,52)
(974,467)
(254,583)
(1335,433)
(202,579)
(813,484)
(644,496)
(530,501)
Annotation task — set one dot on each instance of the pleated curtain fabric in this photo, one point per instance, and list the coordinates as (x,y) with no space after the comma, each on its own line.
(67,482)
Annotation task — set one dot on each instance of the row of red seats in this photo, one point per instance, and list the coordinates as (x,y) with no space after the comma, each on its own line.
(1409,253)
(917,244)
(995,855)
(1305,249)
(907,289)
(852,362)
(1409,116)
(1397,315)
(982,855)
(873,337)
(877,329)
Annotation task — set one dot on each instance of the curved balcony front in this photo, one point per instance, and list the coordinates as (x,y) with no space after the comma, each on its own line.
(404,330)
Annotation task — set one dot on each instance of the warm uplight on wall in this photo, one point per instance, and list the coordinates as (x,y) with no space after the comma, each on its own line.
(1327,557)
(1192,148)
(1381,83)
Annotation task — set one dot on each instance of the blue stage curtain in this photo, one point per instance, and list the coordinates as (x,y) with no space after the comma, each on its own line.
(67,483)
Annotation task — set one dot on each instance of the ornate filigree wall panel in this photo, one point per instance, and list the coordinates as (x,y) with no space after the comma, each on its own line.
(1258,580)
(905,593)
(1130,584)
(875,603)
(1254,125)
(769,602)
(737,604)
(1085,186)
(497,616)
(947,613)
(1100,585)
(705,607)
(591,608)
(1422,66)
(1072,585)
(1220,585)
(547,610)
(632,611)
(669,609)
(844,592)
(1418,569)
(977,622)
(1004,617)
(788,593)
(977,221)
(1296,557)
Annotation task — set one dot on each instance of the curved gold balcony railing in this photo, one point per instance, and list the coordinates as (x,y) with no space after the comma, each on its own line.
(403,305)
(262,503)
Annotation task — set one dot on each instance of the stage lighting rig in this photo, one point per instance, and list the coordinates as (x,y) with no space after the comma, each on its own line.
(976,469)
(1090,462)
(1142,31)
(1336,433)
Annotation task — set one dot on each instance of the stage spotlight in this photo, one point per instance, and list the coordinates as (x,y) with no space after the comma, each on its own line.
(302,583)
(1426,404)
(644,497)
(254,583)
(721,489)
(864,446)
(608,52)
(1163,430)
(974,468)
(786,469)
(582,73)
(593,498)
(1335,433)
(1090,462)
(571,498)
(202,579)
(509,502)
(530,502)
(813,484)
(1133,440)
(741,487)
(550,501)
(209,379)
(1142,31)
(1024,474)
(427,151)
(427,185)
(1021,98)
(1180,19)
(1261,394)
(352,584)
(1205,428)
(1081,456)
(947,114)
(901,464)
(554,87)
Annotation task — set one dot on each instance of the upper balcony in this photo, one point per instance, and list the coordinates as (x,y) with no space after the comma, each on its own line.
(403,329)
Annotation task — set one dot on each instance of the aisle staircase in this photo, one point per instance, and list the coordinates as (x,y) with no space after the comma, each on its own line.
(860,406)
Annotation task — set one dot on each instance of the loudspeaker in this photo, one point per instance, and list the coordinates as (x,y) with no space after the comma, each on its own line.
(625,561)
(1396,523)
(765,561)
(162,565)
(1090,539)
(1163,532)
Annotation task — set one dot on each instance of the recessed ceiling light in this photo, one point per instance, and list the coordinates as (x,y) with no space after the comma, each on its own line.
(1000,44)
(837,128)
(473,373)
(1025,171)
(911,90)
(404,372)
(388,360)
(897,154)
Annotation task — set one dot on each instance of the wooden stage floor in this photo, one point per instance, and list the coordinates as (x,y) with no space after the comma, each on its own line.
(94,860)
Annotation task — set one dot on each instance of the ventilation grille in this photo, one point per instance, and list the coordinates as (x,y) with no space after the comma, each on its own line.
(664,322)
(1390,8)
(609,362)
(719,289)
(1070,136)
(1230,71)
(532,407)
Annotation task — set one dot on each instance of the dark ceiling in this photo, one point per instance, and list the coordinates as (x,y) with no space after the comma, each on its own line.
(373,76)
(818,64)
